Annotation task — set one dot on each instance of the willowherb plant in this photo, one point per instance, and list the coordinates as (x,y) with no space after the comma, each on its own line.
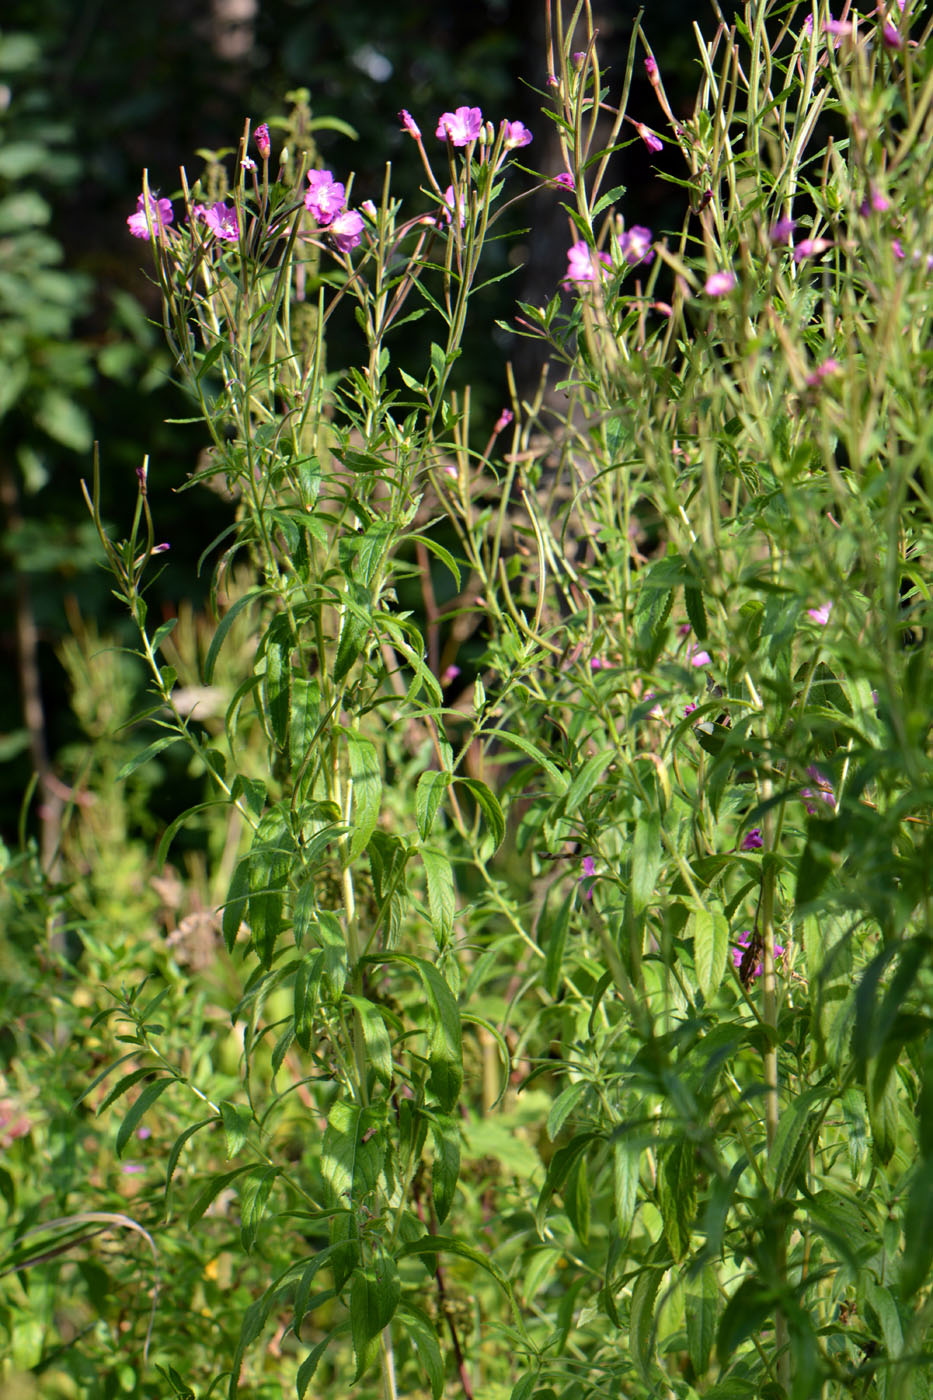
(510,1115)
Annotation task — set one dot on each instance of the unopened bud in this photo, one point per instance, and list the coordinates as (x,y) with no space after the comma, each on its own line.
(263,144)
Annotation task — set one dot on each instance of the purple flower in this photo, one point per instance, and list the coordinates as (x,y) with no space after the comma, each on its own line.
(824,791)
(160,214)
(516,134)
(503,421)
(598,664)
(635,245)
(346,229)
(780,234)
(876,200)
(744,940)
(752,840)
(450,674)
(696,656)
(841,28)
(409,124)
(460,127)
(650,138)
(221,219)
(325,198)
(589,870)
(719,284)
(565,180)
(891,37)
(263,143)
(689,709)
(820,615)
(897,248)
(581,263)
(809,247)
(651,68)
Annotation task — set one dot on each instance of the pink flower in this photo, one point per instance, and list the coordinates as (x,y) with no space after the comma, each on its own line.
(651,68)
(897,248)
(160,214)
(650,138)
(744,940)
(450,674)
(460,127)
(780,234)
(346,229)
(516,134)
(449,201)
(824,791)
(589,870)
(719,284)
(325,198)
(263,143)
(635,245)
(582,265)
(409,124)
(821,614)
(565,180)
(822,371)
(221,219)
(752,840)
(841,28)
(876,200)
(891,37)
(696,656)
(503,421)
(598,664)
(809,247)
(689,709)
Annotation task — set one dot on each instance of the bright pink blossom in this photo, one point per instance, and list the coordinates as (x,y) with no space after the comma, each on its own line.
(409,124)
(589,870)
(160,214)
(780,234)
(346,229)
(635,245)
(824,791)
(325,197)
(582,263)
(752,840)
(263,143)
(697,656)
(460,127)
(516,134)
(221,219)
(503,421)
(719,284)
(809,247)
(650,138)
(841,28)
(821,614)
(897,248)
(891,36)
(565,180)
(827,367)
(449,201)
(651,68)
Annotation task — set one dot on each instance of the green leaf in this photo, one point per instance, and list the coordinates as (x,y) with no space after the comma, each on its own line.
(420,1330)
(563,1106)
(556,928)
(798,1124)
(646,860)
(428,796)
(696,611)
(445,1131)
(254,1197)
(626,1167)
(586,779)
(237,1120)
(376,1038)
(223,627)
(709,929)
(354,629)
(310,1364)
(353,1150)
(438,550)
(139,759)
(234,909)
(211,1190)
(136,1113)
(532,751)
(701,1315)
(374,1296)
(641,1320)
(489,805)
(367,790)
(677,1195)
(441,899)
(429,1245)
(269,863)
(279,643)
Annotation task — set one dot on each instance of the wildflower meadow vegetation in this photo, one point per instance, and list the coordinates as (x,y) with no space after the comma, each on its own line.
(537,1000)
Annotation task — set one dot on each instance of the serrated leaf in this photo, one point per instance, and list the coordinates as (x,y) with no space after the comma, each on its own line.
(429,794)
(137,761)
(310,1364)
(421,1331)
(701,1316)
(710,932)
(137,1111)
(441,898)
(563,1106)
(237,1120)
(646,860)
(376,1038)
(254,1197)
(677,1195)
(374,1296)
(445,1132)
(490,807)
(354,629)
(211,1190)
(367,790)
(223,627)
(353,1149)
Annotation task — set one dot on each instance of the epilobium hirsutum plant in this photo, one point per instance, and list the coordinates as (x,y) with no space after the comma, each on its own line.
(510,1117)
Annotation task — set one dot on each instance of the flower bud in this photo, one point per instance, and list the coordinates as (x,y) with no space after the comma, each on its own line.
(263,144)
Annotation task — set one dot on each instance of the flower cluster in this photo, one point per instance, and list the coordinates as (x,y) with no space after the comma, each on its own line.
(326,202)
(152,225)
